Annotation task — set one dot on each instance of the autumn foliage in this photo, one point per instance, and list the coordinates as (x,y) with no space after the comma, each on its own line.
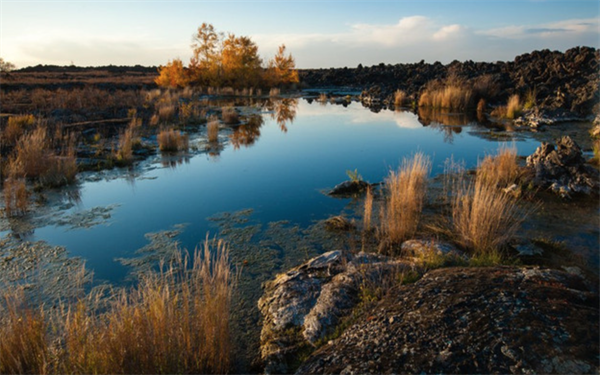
(231,61)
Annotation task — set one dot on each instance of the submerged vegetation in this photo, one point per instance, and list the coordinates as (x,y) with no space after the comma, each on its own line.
(175,320)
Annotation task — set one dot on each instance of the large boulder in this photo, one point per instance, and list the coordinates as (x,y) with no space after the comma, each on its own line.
(563,168)
(472,320)
(303,305)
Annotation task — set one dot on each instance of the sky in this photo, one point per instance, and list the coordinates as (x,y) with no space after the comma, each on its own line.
(319,34)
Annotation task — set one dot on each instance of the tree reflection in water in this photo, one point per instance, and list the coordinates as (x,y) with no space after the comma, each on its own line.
(283,111)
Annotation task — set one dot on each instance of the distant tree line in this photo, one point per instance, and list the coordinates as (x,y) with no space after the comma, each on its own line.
(231,61)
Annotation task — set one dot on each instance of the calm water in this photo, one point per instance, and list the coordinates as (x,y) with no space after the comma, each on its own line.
(279,169)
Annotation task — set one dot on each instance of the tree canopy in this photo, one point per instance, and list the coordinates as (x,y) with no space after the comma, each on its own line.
(233,61)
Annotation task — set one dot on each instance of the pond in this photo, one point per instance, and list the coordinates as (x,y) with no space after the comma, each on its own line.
(279,165)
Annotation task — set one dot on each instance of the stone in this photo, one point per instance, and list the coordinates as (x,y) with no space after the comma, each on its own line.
(562,169)
(349,188)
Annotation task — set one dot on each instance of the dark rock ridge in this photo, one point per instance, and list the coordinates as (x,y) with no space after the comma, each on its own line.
(302,305)
(562,169)
(472,320)
(569,80)
(348,188)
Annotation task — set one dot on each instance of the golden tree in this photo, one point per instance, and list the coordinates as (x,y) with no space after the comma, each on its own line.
(172,75)
(282,69)
(240,61)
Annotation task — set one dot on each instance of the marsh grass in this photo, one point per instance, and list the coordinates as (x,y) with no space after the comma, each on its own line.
(500,170)
(230,116)
(454,94)
(513,107)
(484,218)
(175,320)
(16,127)
(171,140)
(212,130)
(400,98)
(405,191)
(15,196)
(368,211)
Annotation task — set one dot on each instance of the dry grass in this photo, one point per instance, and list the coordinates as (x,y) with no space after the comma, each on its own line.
(513,107)
(34,159)
(166,112)
(454,95)
(400,98)
(212,131)
(405,194)
(174,321)
(24,345)
(500,170)
(124,154)
(368,212)
(16,127)
(15,196)
(230,116)
(172,141)
(483,217)
(274,91)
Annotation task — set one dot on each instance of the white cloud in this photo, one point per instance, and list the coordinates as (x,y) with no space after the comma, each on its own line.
(568,28)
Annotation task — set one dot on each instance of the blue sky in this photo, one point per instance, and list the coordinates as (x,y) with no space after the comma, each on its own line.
(318,33)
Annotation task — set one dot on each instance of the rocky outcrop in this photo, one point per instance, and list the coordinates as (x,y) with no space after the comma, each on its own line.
(567,81)
(349,188)
(563,168)
(472,320)
(301,306)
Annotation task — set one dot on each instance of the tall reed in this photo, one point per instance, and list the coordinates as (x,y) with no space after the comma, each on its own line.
(172,140)
(368,212)
(501,169)
(405,195)
(212,130)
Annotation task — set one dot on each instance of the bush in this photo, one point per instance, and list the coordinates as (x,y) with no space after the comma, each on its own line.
(172,141)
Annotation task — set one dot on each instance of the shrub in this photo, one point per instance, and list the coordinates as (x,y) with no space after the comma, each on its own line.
(405,195)
(172,141)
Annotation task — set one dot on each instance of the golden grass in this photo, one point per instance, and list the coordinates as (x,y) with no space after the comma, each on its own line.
(400,98)
(483,217)
(212,130)
(24,344)
(15,196)
(500,170)
(34,159)
(166,112)
(453,96)
(175,321)
(368,212)
(16,127)
(405,194)
(172,141)
(513,107)
(274,91)
(230,116)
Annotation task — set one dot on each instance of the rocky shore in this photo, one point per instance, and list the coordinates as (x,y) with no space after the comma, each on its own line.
(452,320)
(566,82)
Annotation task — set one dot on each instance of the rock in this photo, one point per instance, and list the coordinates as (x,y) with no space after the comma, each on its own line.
(425,247)
(301,306)
(562,169)
(473,320)
(350,187)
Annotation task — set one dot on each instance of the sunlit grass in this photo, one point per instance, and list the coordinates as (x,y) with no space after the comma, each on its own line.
(174,321)
(405,191)
(500,170)
(513,107)
(212,130)
(400,98)
(172,140)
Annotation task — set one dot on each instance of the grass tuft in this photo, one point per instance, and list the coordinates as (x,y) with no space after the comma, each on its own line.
(405,194)
(484,218)
(172,141)
(500,170)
